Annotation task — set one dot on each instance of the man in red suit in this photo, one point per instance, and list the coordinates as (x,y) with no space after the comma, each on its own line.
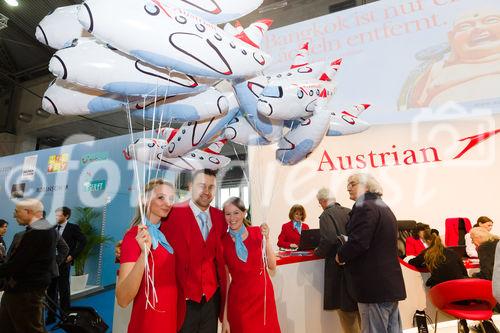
(194,229)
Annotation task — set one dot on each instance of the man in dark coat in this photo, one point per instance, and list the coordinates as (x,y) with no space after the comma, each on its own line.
(370,256)
(28,270)
(75,239)
(337,293)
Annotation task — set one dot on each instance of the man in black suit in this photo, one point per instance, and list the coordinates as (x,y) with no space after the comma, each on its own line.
(337,293)
(3,248)
(73,236)
(370,256)
(28,270)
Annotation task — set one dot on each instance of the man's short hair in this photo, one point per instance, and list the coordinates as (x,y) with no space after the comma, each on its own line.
(324,194)
(208,172)
(34,205)
(3,222)
(66,211)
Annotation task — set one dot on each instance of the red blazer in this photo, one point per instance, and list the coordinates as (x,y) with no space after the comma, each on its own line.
(451,230)
(199,264)
(414,246)
(290,235)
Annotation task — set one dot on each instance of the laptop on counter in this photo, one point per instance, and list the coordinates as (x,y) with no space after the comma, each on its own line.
(309,239)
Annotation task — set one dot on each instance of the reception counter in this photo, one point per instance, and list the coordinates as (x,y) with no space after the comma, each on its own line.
(298,288)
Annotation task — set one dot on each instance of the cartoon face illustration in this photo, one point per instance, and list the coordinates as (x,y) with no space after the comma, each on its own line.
(476,35)
(289,100)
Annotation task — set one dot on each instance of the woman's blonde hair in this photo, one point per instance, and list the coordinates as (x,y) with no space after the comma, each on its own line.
(238,203)
(146,197)
(483,234)
(434,256)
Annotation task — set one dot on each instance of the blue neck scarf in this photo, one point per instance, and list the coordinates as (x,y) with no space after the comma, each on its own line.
(157,237)
(241,250)
(298,226)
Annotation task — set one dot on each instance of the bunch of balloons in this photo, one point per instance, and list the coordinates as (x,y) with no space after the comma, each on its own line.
(169,62)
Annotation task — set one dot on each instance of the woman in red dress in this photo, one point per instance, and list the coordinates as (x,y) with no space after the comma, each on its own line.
(289,237)
(152,312)
(250,285)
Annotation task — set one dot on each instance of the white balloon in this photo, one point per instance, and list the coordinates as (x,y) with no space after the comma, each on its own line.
(167,36)
(218,11)
(60,27)
(301,141)
(347,122)
(197,134)
(93,64)
(193,107)
(150,152)
(240,131)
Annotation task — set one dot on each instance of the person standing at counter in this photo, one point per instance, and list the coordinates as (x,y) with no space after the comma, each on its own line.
(250,285)
(337,292)
(289,237)
(370,256)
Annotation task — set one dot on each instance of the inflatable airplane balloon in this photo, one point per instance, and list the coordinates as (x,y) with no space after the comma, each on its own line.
(347,122)
(194,107)
(194,135)
(150,152)
(93,64)
(158,32)
(60,27)
(240,131)
(292,98)
(218,11)
(64,98)
(248,93)
(298,143)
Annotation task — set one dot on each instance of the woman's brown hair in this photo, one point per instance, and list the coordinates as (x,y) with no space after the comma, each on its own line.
(434,256)
(148,188)
(238,203)
(295,209)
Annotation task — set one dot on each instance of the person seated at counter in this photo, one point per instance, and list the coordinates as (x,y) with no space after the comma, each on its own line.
(444,264)
(415,243)
(289,237)
(483,222)
(486,244)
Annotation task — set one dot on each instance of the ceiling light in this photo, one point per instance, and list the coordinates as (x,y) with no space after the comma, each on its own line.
(42,113)
(12,3)
(26,117)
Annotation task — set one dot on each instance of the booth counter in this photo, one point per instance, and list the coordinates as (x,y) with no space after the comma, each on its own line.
(298,289)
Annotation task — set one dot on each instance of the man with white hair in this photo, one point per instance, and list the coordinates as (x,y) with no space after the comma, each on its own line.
(370,256)
(337,292)
(28,270)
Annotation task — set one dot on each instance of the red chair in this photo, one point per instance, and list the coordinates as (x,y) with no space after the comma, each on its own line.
(445,294)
